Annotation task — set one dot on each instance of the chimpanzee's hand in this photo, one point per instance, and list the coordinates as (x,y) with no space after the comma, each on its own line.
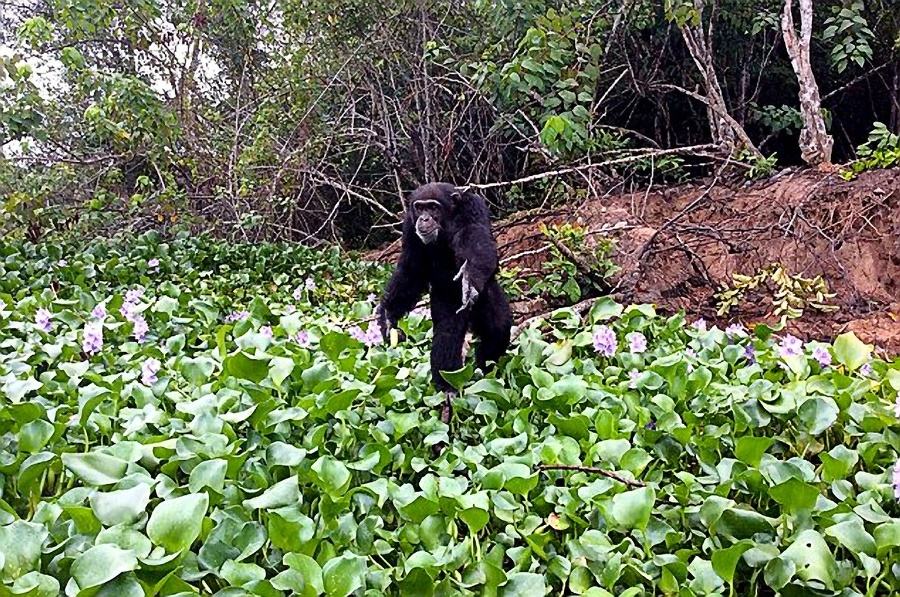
(386,326)
(469,294)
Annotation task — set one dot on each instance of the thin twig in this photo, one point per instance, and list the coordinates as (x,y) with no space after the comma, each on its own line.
(592,469)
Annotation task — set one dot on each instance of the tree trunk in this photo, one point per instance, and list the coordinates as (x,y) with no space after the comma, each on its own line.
(815,142)
(726,132)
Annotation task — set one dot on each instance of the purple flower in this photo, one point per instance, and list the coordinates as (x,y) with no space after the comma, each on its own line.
(298,293)
(310,284)
(153,264)
(301,338)
(866,369)
(896,480)
(99,312)
(651,425)
(149,369)
(750,353)
(42,319)
(821,354)
(237,316)
(62,263)
(288,309)
(790,346)
(370,337)
(134,295)
(735,329)
(605,341)
(266,331)
(93,338)
(690,352)
(633,376)
(699,325)
(140,328)
(371,298)
(897,407)
(637,342)
(421,311)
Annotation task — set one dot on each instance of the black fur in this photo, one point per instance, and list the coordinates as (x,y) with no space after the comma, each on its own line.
(465,236)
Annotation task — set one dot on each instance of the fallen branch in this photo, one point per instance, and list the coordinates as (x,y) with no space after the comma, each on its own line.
(594,470)
(578,308)
(623,160)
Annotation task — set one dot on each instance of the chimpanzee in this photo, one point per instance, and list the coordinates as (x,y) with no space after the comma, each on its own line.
(447,245)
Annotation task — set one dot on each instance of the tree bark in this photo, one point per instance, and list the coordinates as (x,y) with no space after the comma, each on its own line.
(815,142)
(726,132)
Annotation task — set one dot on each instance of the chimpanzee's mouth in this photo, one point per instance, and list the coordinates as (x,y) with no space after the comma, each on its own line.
(427,236)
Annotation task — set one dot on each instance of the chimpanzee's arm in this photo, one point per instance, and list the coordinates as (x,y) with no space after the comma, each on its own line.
(476,255)
(408,282)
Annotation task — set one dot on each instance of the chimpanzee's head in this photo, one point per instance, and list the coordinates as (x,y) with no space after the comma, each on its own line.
(431,206)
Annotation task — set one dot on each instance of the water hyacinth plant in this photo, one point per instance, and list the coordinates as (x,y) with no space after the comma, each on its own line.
(245,448)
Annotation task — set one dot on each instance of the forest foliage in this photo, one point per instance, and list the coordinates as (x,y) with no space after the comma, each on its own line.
(306,120)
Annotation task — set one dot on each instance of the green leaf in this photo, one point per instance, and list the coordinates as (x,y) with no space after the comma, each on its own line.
(209,473)
(332,475)
(750,449)
(851,351)
(245,367)
(100,564)
(176,523)
(35,584)
(819,414)
(811,558)
(22,543)
(96,468)
(280,368)
(309,573)
(631,509)
(197,370)
(524,584)
(795,495)
(725,561)
(344,575)
(283,493)
(120,507)
(34,436)
(888,534)
(853,535)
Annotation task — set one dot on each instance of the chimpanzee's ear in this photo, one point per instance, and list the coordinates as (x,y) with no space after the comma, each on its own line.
(456,196)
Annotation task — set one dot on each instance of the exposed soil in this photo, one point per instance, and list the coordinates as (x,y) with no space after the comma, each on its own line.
(677,246)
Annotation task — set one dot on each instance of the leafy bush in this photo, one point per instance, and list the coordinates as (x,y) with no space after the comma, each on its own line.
(188,417)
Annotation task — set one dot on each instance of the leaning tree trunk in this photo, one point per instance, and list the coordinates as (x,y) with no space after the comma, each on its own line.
(815,142)
(725,130)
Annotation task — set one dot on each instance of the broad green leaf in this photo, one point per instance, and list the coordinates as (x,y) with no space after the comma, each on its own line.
(96,468)
(750,449)
(283,493)
(524,584)
(725,561)
(100,564)
(333,475)
(209,473)
(853,535)
(33,436)
(22,543)
(197,370)
(631,509)
(343,575)
(851,351)
(120,507)
(176,523)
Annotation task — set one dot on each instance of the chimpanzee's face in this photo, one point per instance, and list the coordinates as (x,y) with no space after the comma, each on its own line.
(429,216)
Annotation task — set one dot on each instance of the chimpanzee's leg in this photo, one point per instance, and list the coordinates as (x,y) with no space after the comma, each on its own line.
(449,329)
(492,323)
